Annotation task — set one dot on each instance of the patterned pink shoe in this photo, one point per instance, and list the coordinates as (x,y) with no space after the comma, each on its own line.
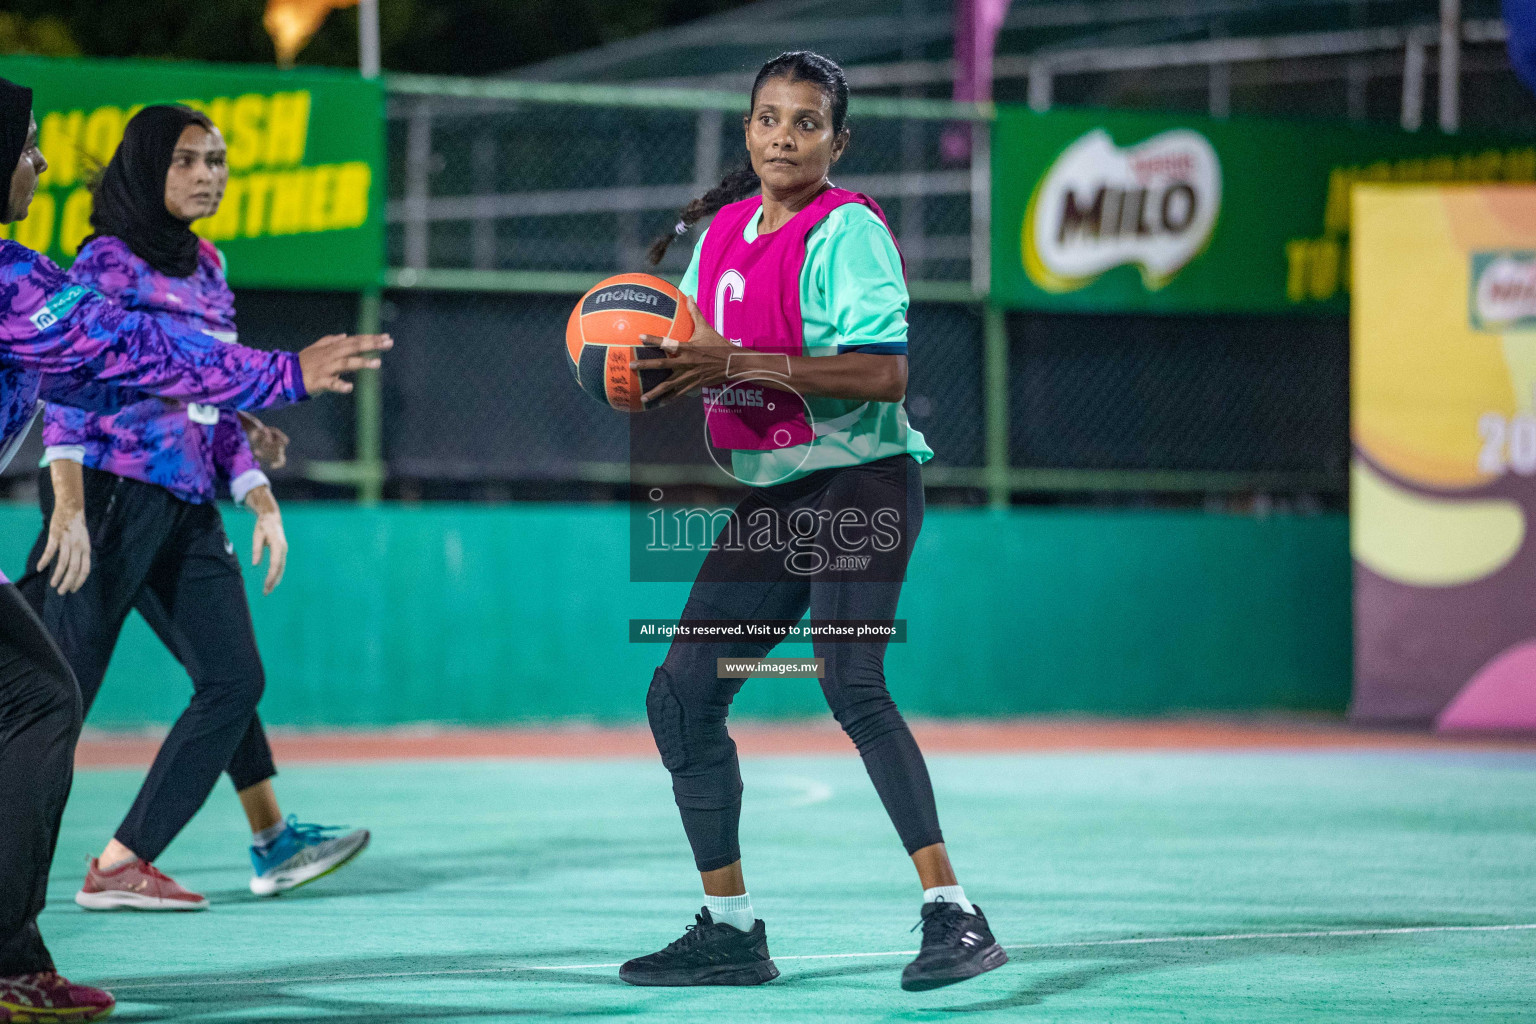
(136,885)
(46,998)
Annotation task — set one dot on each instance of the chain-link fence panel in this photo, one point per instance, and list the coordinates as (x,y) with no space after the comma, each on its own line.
(1255,394)
(1365,86)
(478,388)
(538,186)
(945,383)
(324,428)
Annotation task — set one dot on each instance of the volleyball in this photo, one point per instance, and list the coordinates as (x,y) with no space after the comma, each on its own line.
(603,336)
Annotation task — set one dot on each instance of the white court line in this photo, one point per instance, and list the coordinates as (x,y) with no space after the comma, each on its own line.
(811,791)
(1087,943)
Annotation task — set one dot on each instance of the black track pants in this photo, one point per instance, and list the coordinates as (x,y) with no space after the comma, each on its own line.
(171,560)
(872,510)
(39,724)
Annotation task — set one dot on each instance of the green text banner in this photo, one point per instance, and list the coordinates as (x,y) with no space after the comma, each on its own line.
(304,206)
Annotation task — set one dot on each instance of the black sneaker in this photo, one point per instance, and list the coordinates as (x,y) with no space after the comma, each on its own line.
(709,953)
(956,946)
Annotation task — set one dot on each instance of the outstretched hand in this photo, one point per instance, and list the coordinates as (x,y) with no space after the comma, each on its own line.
(699,362)
(324,362)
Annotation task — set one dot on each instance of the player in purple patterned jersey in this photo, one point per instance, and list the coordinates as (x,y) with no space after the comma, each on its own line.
(187,449)
(130,522)
(66,343)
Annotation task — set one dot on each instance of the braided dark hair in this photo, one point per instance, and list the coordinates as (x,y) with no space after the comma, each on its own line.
(742,181)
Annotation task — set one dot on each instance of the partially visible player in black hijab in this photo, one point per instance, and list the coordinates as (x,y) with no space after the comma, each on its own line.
(129,200)
(48,327)
(15,135)
(39,714)
(15,117)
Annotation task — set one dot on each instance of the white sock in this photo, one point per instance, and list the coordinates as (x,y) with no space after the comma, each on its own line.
(268,835)
(735,911)
(948,894)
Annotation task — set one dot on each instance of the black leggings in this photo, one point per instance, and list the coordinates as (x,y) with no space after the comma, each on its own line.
(39,724)
(171,560)
(818,517)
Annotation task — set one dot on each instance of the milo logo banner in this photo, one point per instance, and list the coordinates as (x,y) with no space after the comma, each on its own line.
(1443,479)
(1503,291)
(304,204)
(1099,211)
(1152,206)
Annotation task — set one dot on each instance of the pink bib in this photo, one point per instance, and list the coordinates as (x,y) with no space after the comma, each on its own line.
(750,293)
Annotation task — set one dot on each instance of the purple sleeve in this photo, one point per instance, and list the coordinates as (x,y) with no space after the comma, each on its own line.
(231,448)
(103,265)
(63,425)
(84,342)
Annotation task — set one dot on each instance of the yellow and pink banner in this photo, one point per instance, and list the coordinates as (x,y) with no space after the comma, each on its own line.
(1443,480)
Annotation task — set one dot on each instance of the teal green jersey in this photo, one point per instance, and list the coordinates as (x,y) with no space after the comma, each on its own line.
(853,298)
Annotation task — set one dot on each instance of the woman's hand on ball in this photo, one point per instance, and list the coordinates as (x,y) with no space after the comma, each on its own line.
(701,329)
(701,361)
(694,365)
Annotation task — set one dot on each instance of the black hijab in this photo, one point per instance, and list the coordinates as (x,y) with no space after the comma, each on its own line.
(129,201)
(15,122)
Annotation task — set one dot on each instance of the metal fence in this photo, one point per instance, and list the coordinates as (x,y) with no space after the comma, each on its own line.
(510,198)
(545,179)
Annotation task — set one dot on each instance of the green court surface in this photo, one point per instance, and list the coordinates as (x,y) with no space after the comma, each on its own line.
(1382,886)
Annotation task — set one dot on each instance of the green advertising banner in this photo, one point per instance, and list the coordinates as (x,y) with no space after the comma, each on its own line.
(305,202)
(1108,211)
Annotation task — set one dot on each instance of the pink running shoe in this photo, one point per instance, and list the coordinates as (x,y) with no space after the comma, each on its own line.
(46,998)
(136,885)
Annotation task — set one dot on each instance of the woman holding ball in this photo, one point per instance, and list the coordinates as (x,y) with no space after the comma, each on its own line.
(806,282)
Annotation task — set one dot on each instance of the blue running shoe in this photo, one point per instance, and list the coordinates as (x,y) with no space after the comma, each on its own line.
(301,854)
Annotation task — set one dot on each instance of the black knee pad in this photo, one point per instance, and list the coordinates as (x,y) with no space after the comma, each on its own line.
(665,712)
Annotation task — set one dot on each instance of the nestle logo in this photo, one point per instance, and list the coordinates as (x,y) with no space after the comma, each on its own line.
(627,295)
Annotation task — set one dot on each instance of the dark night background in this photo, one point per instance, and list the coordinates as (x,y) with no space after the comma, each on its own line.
(449,37)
